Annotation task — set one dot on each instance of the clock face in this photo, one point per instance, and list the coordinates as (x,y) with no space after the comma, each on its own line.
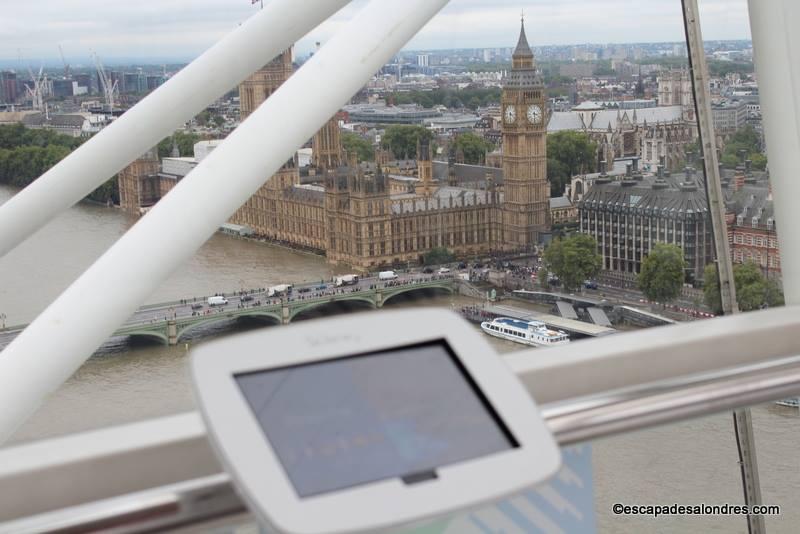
(511,114)
(534,114)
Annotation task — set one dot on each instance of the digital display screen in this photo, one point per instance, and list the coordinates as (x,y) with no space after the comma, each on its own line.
(400,413)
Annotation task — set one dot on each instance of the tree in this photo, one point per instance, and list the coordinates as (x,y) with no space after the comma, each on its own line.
(753,291)
(662,275)
(746,140)
(474,147)
(759,161)
(729,161)
(109,191)
(27,154)
(203,117)
(437,256)
(185,142)
(558,175)
(574,153)
(573,259)
(353,142)
(402,139)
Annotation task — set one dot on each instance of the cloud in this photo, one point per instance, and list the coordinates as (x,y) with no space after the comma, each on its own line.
(183,29)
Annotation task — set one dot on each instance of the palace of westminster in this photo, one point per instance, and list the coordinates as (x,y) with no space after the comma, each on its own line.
(368,214)
(356,213)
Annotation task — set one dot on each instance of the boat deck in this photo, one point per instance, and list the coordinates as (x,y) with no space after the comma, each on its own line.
(570,326)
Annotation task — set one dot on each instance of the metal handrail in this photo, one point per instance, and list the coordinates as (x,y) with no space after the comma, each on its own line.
(573,421)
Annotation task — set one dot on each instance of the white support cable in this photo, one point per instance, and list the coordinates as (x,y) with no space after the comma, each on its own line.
(55,345)
(262,37)
(776,47)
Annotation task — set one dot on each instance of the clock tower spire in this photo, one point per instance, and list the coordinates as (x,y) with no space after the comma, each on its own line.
(526,205)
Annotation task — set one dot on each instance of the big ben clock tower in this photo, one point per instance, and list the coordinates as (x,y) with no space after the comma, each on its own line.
(526,206)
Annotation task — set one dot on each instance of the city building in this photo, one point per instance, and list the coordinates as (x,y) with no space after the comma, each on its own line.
(526,212)
(628,217)
(140,184)
(73,124)
(563,211)
(675,88)
(752,232)
(649,133)
(368,214)
(8,86)
(375,114)
(729,116)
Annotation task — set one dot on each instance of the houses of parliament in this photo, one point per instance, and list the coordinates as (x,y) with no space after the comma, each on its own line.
(368,214)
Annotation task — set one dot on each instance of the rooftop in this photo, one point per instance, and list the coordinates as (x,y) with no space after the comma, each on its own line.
(676,195)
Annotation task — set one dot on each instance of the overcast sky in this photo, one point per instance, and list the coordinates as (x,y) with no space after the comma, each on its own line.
(182,29)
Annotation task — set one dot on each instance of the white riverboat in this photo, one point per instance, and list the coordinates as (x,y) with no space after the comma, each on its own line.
(525,332)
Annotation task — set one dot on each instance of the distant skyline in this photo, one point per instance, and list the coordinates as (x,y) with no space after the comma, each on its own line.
(180,30)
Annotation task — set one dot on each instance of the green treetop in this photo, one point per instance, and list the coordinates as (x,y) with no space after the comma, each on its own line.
(474,147)
(662,275)
(402,139)
(753,291)
(568,153)
(573,259)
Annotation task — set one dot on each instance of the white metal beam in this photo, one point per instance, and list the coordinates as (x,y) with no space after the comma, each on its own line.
(46,353)
(242,52)
(615,362)
(776,46)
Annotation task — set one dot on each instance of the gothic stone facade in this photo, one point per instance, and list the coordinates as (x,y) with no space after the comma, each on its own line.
(353,216)
(348,210)
(139,183)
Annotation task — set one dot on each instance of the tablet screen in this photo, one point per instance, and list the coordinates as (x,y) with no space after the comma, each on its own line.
(349,421)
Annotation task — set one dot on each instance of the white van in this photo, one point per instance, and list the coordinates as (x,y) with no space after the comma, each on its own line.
(387,275)
(346,280)
(217,301)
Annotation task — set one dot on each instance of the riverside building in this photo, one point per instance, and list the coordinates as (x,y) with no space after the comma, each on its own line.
(357,212)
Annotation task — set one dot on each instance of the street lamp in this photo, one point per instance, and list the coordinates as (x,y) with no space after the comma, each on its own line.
(3,321)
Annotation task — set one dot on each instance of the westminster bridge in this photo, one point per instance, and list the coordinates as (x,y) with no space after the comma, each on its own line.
(169,322)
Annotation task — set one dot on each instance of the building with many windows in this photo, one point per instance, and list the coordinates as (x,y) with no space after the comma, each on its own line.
(628,217)
(729,116)
(364,214)
(752,232)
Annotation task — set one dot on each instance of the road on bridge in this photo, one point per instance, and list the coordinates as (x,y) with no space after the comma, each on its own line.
(198,306)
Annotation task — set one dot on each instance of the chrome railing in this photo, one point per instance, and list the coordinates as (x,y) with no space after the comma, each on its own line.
(178,480)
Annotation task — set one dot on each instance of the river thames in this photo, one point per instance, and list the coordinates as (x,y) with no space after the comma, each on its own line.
(689,463)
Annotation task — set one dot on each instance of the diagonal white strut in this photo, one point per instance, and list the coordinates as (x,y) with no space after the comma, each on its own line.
(242,52)
(54,346)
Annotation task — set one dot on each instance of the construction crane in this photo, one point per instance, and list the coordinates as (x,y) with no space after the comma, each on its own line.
(64,61)
(36,92)
(109,87)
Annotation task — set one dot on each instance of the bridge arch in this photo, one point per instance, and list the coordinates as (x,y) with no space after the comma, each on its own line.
(360,301)
(412,288)
(149,334)
(183,329)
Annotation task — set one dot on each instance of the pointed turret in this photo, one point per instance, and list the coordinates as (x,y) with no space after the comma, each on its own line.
(523,55)
(523,73)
